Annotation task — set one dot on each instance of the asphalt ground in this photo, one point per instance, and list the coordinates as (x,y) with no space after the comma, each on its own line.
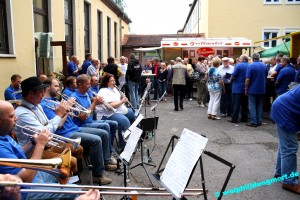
(252,150)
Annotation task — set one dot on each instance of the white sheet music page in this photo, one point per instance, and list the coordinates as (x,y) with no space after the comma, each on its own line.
(131,143)
(182,161)
(134,124)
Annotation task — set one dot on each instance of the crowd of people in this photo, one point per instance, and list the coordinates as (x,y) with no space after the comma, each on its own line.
(92,106)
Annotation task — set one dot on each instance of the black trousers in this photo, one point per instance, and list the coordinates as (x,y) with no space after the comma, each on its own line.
(239,101)
(178,90)
(225,105)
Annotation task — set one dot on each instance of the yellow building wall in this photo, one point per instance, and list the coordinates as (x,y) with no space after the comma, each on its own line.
(247,19)
(23,63)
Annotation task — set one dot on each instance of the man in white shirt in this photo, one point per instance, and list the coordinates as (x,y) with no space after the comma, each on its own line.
(226,70)
(122,80)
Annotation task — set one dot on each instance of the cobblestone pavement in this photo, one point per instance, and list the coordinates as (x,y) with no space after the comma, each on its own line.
(251,150)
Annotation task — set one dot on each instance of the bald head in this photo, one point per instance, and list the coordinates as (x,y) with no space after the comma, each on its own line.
(7,117)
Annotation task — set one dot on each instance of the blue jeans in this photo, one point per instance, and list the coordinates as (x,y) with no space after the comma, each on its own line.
(124,122)
(162,87)
(134,93)
(113,126)
(255,108)
(286,155)
(43,177)
(155,86)
(91,140)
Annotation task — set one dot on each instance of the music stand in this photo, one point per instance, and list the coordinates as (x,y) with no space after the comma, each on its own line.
(146,124)
(171,144)
(153,109)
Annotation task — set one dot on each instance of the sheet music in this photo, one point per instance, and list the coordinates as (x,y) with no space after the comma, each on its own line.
(134,124)
(182,161)
(131,143)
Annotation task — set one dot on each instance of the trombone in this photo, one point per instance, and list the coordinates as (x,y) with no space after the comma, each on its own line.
(55,139)
(79,107)
(74,112)
(58,167)
(137,191)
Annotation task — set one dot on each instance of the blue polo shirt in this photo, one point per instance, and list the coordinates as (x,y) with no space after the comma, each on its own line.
(286,110)
(69,91)
(85,101)
(84,66)
(8,93)
(94,89)
(257,73)
(67,128)
(285,76)
(10,149)
(71,67)
(239,73)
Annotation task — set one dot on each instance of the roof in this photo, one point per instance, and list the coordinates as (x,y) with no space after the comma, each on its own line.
(117,10)
(136,41)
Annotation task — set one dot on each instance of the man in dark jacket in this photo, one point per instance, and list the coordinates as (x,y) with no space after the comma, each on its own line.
(133,75)
(112,68)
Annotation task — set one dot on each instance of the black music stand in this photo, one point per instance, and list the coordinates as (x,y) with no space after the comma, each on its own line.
(171,144)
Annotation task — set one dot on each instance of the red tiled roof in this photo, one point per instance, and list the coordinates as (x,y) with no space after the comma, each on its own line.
(136,41)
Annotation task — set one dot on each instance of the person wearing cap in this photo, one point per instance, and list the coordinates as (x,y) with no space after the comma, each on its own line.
(226,70)
(13,91)
(255,88)
(178,75)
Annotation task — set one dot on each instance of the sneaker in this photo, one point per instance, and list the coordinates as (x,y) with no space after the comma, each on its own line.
(110,167)
(191,99)
(202,105)
(198,105)
(112,161)
(103,180)
(215,117)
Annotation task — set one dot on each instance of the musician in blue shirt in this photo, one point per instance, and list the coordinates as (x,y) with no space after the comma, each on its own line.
(91,138)
(72,69)
(86,63)
(82,97)
(12,92)
(71,84)
(10,149)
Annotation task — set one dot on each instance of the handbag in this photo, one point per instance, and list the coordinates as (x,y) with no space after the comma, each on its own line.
(195,76)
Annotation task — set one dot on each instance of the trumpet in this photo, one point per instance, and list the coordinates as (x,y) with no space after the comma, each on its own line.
(74,112)
(18,101)
(58,167)
(55,139)
(106,106)
(79,107)
(123,96)
(58,75)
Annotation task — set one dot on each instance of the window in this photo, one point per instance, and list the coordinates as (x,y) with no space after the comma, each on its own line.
(115,39)
(292,1)
(268,34)
(3,29)
(40,11)
(86,27)
(272,1)
(288,31)
(99,17)
(69,27)
(108,37)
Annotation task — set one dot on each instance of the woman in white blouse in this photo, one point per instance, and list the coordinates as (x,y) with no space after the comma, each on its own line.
(121,114)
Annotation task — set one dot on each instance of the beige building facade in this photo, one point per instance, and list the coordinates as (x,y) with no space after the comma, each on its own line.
(94,26)
(252,19)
